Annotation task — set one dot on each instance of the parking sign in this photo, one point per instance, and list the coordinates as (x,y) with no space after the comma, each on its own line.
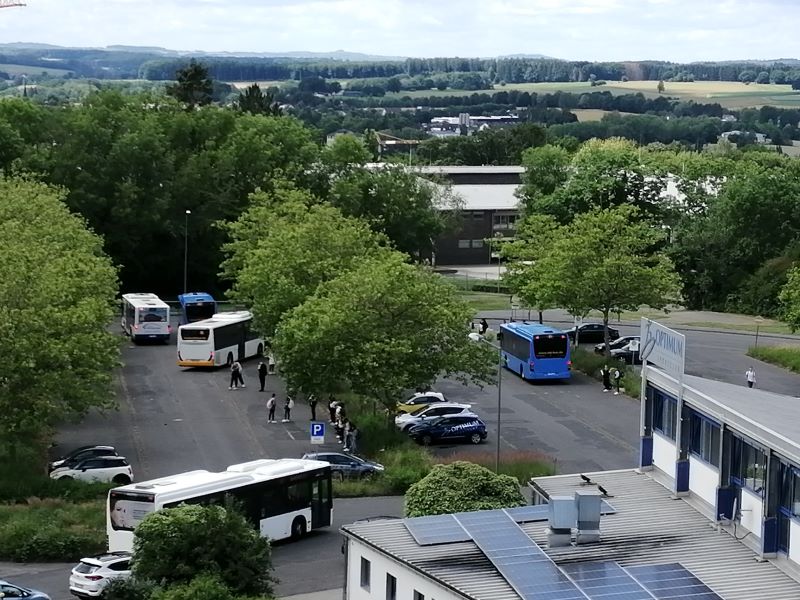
(317,433)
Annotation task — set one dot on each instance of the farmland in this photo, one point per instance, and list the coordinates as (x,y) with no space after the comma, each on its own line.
(15,70)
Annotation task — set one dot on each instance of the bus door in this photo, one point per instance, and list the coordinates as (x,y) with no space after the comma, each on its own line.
(244,333)
(321,502)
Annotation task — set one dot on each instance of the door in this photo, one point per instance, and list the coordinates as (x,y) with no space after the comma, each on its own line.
(240,350)
(321,503)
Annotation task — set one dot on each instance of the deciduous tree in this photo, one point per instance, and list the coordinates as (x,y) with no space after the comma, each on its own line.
(790,299)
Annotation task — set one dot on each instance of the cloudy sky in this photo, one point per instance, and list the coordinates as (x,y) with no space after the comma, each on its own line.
(679,30)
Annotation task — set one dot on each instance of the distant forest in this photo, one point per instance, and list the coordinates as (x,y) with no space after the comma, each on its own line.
(128,64)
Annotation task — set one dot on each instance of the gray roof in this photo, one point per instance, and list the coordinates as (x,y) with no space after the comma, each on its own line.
(487,196)
(470,170)
(649,528)
(766,417)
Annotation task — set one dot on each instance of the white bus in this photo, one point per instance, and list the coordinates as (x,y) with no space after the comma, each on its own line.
(145,317)
(225,337)
(282,498)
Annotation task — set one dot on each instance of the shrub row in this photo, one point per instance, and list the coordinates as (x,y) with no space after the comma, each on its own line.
(592,363)
(783,356)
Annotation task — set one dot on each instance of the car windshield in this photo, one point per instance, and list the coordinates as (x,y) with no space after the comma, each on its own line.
(418,410)
(86,568)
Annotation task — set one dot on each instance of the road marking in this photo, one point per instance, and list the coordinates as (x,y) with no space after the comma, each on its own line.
(290,434)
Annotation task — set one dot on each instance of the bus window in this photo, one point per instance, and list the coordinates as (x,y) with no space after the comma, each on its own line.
(152,315)
(550,346)
(199,311)
(194,334)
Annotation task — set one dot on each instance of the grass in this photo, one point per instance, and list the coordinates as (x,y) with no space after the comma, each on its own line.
(520,464)
(594,114)
(763,328)
(783,356)
(13,69)
(486,300)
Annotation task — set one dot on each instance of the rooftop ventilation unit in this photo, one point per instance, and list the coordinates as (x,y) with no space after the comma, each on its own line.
(587,508)
(562,519)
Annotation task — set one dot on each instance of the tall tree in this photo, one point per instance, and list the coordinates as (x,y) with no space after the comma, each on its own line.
(790,299)
(546,170)
(193,86)
(57,292)
(257,102)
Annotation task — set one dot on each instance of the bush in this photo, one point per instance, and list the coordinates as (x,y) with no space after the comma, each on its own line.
(592,363)
(519,464)
(129,589)
(404,466)
(783,356)
(202,587)
(461,486)
(51,530)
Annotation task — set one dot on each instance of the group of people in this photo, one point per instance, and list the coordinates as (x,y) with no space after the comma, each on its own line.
(611,379)
(346,430)
(272,403)
(264,369)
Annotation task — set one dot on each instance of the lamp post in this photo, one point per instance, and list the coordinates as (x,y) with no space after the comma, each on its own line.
(479,338)
(185,247)
(759,320)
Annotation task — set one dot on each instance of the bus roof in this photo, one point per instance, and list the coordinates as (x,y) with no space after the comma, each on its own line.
(219,319)
(528,330)
(140,299)
(202,482)
(195,297)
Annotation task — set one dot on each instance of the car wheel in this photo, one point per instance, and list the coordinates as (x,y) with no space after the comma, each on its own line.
(426,440)
(298,528)
(121,480)
(475,438)
(66,478)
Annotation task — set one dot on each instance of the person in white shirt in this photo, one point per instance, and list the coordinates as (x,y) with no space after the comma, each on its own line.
(751,377)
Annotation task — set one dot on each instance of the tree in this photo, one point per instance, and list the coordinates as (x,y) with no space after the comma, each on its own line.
(256,102)
(660,86)
(176,545)
(790,299)
(193,87)
(461,487)
(605,260)
(394,85)
(378,330)
(546,170)
(57,292)
(762,77)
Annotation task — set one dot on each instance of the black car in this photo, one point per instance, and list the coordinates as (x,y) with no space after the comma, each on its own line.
(628,354)
(82,453)
(346,465)
(449,429)
(617,344)
(591,332)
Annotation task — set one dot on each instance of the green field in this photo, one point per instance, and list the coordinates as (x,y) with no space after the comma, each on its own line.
(12,69)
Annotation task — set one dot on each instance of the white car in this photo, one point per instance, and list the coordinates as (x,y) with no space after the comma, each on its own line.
(109,469)
(90,577)
(405,421)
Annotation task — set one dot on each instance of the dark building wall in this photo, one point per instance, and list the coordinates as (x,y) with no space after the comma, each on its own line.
(465,244)
(483,178)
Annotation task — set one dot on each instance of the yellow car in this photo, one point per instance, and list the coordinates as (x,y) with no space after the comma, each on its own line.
(419,400)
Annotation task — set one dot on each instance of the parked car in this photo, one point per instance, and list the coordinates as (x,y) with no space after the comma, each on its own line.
(591,332)
(10,590)
(449,429)
(405,421)
(346,465)
(82,453)
(628,354)
(90,577)
(420,399)
(616,344)
(110,469)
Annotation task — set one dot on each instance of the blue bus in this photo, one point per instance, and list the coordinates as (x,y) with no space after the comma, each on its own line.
(535,351)
(196,306)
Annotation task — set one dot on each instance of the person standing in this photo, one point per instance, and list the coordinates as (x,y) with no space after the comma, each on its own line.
(750,375)
(271,408)
(287,409)
(262,374)
(271,363)
(484,327)
(332,408)
(312,402)
(236,376)
(617,377)
(350,437)
(606,374)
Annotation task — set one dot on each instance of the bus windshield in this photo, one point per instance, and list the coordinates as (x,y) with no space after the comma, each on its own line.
(199,311)
(152,315)
(550,346)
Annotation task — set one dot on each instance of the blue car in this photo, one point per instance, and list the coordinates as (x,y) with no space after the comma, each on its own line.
(449,429)
(9,590)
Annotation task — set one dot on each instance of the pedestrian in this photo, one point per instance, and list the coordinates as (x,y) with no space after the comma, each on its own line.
(484,327)
(271,363)
(312,402)
(606,374)
(332,408)
(236,376)
(616,375)
(271,407)
(750,375)
(262,374)
(351,433)
(339,426)
(340,412)
(287,409)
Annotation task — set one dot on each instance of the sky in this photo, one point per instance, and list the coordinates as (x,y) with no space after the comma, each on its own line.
(597,30)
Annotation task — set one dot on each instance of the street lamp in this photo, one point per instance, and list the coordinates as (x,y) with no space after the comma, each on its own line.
(476,337)
(759,320)
(185,247)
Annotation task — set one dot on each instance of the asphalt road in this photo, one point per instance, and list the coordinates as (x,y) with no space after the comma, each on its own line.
(172,420)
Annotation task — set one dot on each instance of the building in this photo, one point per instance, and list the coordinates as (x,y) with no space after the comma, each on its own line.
(712,512)
(466,124)
(488,212)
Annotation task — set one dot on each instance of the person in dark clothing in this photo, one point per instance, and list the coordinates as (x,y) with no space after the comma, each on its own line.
(332,408)
(287,409)
(606,373)
(262,374)
(236,376)
(271,406)
(312,402)
(484,327)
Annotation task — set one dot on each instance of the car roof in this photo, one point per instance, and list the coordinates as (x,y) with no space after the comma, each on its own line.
(106,558)
(102,456)
(446,404)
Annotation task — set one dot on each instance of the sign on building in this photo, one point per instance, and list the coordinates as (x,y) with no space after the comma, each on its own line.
(663,347)
(317,433)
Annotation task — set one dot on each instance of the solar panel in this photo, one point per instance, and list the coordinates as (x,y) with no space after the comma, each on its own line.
(520,561)
(436,529)
(605,581)
(671,581)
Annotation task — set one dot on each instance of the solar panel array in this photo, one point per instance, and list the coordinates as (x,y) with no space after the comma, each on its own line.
(527,569)
(605,581)
(672,581)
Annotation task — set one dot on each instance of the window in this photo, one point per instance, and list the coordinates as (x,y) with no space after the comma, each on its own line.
(477,243)
(504,221)
(749,465)
(550,346)
(463,243)
(665,410)
(391,587)
(366,574)
(418,595)
(704,438)
(516,346)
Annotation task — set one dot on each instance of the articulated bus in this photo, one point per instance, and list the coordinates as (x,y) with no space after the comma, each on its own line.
(196,306)
(281,498)
(145,317)
(220,340)
(535,351)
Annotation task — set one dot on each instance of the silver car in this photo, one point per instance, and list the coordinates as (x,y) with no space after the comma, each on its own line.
(406,421)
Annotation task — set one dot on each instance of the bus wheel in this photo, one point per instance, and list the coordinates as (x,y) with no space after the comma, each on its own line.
(475,438)
(522,372)
(121,480)
(229,360)
(260,351)
(298,528)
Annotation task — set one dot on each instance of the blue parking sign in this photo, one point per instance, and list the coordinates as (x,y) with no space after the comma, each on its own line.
(317,431)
